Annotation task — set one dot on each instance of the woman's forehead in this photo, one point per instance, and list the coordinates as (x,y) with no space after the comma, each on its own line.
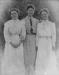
(44,12)
(12,12)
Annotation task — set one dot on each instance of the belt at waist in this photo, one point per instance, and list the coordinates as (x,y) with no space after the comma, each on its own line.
(45,37)
(31,33)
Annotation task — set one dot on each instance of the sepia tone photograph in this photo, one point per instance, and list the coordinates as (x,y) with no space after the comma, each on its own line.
(29,37)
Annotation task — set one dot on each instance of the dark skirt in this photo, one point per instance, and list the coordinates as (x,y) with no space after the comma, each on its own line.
(30,50)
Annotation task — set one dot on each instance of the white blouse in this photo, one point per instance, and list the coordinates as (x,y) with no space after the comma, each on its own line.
(46,28)
(14,28)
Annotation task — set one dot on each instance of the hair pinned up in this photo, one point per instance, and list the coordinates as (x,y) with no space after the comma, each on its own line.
(14,9)
(30,6)
(44,9)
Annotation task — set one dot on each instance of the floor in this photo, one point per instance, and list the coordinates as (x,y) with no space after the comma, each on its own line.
(1,55)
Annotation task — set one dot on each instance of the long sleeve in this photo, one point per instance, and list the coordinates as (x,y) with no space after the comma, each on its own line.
(23,31)
(37,36)
(6,34)
(53,35)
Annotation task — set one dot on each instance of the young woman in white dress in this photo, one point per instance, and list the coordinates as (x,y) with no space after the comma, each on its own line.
(14,34)
(46,38)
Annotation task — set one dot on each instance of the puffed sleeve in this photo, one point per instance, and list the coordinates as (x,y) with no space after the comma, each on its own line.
(6,33)
(53,34)
(23,30)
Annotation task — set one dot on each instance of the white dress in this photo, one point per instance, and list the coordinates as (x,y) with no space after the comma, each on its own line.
(46,59)
(13,59)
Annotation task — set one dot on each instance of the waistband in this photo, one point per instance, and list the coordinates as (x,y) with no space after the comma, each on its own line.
(45,37)
(31,33)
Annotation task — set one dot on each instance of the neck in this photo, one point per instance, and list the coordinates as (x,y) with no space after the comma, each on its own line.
(14,18)
(45,19)
(30,16)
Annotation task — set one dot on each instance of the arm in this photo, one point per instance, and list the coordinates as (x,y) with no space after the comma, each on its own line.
(23,32)
(37,39)
(37,36)
(6,33)
(53,35)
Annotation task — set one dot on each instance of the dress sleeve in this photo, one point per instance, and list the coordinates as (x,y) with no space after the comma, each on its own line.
(37,36)
(23,32)
(53,34)
(6,33)
(37,22)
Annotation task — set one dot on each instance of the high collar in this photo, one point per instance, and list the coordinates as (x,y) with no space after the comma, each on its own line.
(29,17)
(15,19)
(45,20)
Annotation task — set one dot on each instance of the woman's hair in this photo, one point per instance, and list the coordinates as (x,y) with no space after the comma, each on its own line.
(45,10)
(30,6)
(14,9)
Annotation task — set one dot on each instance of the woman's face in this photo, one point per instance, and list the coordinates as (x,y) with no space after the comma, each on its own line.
(30,11)
(44,15)
(14,15)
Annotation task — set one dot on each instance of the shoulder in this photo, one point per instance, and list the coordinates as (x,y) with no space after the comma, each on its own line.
(35,19)
(25,18)
(7,24)
(52,24)
(21,23)
(39,25)
(40,22)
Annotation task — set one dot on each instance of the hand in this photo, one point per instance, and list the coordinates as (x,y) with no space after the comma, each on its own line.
(53,48)
(15,45)
(36,48)
(22,39)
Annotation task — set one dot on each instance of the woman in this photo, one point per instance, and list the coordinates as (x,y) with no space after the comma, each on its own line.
(14,33)
(46,38)
(30,42)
